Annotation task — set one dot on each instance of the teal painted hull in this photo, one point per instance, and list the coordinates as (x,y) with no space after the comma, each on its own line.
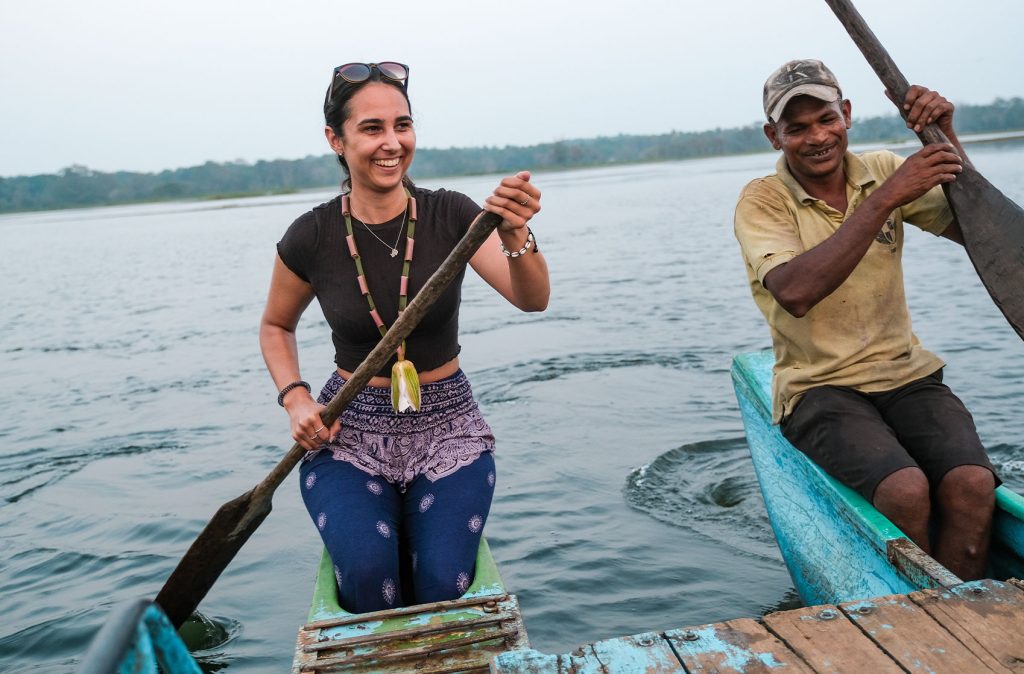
(836,545)
(138,639)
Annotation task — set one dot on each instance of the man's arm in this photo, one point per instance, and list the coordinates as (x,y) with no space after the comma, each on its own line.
(801,283)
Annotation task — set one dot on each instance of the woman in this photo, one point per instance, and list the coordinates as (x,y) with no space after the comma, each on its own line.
(400,499)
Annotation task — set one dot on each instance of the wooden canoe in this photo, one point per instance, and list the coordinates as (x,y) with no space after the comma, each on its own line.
(837,547)
(461,635)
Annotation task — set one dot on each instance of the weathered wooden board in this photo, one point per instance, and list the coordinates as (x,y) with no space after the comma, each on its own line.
(528,661)
(456,636)
(912,638)
(987,616)
(742,646)
(826,639)
(647,653)
(975,627)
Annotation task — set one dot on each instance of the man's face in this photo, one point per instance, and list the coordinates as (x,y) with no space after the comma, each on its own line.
(812,136)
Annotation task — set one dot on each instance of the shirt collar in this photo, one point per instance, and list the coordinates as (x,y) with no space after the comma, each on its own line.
(857,173)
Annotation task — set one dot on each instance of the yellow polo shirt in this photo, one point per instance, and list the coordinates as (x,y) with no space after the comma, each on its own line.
(860,335)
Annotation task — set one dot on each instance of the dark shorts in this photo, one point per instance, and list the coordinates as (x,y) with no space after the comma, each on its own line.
(862,438)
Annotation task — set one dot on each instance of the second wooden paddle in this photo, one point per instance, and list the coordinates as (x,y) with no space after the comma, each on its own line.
(992,224)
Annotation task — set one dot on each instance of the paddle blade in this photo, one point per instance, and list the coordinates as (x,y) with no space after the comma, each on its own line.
(993,229)
(211,552)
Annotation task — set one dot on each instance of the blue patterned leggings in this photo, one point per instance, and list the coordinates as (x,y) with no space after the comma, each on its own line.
(393,547)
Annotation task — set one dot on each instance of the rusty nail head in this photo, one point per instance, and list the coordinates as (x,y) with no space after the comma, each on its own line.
(978,590)
(827,614)
(865,610)
(646,641)
(690,635)
(578,653)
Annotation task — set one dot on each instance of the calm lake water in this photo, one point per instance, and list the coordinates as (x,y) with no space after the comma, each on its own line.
(136,402)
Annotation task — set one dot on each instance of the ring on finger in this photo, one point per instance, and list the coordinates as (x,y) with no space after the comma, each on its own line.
(317,431)
(524,201)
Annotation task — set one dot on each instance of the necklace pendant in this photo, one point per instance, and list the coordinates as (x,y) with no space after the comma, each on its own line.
(394,252)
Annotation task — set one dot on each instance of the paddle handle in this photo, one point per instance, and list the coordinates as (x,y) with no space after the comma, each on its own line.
(880,61)
(478,232)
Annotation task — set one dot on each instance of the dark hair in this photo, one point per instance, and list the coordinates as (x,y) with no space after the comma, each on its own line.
(337,108)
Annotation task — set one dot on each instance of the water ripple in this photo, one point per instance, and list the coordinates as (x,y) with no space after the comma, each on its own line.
(22,473)
(1008,460)
(709,488)
(497,384)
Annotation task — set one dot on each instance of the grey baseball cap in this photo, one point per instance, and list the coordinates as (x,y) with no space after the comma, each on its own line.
(805,77)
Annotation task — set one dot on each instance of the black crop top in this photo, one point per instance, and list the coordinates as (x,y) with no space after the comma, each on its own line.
(314,249)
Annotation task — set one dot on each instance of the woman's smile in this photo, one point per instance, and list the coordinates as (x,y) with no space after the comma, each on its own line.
(380,139)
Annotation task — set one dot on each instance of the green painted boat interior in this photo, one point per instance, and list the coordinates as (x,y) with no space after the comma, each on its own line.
(447,636)
(486,582)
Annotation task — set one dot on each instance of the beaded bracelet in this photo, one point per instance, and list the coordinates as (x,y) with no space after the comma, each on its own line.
(289,387)
(530,240)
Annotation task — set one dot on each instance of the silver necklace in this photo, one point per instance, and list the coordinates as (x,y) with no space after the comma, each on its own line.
(394,248)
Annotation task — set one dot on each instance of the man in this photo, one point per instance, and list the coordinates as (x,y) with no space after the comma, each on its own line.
(852,386)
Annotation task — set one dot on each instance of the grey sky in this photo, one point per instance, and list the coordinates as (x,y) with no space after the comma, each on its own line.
(138,85)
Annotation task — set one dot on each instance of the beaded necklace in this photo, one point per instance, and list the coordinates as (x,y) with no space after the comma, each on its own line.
(403,373)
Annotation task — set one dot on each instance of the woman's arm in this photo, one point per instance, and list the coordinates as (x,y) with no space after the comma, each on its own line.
(288,297)
(522,280)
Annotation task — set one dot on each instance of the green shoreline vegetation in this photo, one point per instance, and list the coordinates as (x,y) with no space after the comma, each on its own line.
(78,186)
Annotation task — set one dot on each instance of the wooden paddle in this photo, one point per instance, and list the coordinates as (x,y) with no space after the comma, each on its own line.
(992,224)
(236,520)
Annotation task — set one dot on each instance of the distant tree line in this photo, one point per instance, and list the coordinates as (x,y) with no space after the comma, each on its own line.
(78,186)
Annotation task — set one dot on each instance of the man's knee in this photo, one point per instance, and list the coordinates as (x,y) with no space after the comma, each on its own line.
(967,490)
(906,493)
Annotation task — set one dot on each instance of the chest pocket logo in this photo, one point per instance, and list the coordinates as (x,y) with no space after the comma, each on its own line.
(887,235)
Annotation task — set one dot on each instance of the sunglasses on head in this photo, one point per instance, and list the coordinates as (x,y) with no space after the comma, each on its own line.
(354,73)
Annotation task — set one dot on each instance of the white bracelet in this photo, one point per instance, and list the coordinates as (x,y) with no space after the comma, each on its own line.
(522,251)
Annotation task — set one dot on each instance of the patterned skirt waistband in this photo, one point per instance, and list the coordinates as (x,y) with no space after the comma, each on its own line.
(446,433)
(371,410)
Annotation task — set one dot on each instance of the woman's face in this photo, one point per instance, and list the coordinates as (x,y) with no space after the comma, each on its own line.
(378,139)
